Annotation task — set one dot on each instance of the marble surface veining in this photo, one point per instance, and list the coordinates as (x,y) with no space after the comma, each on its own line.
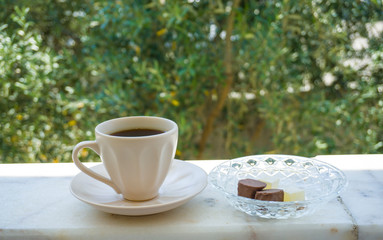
(36,204)
(364,194)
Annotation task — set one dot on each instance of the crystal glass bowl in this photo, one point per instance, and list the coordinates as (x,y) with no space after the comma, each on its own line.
(320,182)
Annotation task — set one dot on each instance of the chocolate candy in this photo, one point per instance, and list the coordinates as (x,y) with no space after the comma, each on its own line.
(248,187)
(270,195)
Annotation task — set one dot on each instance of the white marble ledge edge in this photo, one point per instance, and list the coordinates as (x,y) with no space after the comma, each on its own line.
(365,223)
(362,198)
(375,162)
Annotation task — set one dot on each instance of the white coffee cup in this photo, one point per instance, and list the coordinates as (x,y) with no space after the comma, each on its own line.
(137,165)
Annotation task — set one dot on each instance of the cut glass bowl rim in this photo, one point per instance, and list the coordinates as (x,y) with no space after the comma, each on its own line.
(340,176)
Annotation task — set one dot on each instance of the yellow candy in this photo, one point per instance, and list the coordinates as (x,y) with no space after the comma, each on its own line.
(270,183)
(293,194)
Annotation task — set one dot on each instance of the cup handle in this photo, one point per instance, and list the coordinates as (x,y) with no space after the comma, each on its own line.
(94,146)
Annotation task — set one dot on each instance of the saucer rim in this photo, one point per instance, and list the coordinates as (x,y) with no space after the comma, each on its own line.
(173,204)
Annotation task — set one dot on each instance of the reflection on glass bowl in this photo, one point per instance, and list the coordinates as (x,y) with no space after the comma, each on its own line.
(320,182)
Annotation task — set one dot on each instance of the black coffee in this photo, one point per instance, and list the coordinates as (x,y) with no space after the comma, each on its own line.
(139,132)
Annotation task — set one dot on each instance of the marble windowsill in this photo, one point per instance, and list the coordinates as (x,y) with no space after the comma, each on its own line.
(36,204)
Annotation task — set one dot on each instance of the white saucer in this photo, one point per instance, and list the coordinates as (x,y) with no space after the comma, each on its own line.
(184,181)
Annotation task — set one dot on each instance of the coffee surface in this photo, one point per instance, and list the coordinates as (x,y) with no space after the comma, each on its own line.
(139,132)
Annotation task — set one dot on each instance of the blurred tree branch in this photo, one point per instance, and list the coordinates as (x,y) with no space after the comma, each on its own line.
(224,91)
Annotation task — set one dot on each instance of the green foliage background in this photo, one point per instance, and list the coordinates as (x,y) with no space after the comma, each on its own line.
(67,65)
